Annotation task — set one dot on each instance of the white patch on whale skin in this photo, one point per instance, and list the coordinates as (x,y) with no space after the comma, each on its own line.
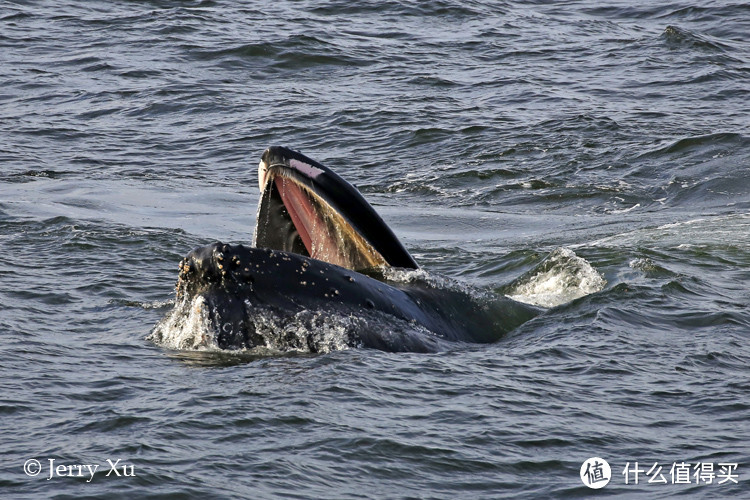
(308,170)
(558,279)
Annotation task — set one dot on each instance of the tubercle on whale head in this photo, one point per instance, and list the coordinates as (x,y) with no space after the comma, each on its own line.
(217,275)
(247,295)
(216,264)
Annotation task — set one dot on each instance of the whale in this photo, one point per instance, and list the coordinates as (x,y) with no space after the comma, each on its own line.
(320,248)
(238,283)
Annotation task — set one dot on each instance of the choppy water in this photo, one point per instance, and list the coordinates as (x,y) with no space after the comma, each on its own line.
(487,134)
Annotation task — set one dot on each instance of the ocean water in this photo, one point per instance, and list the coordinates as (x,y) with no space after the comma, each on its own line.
(529,148)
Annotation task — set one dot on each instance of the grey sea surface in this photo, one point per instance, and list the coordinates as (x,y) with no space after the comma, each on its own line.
(488,135)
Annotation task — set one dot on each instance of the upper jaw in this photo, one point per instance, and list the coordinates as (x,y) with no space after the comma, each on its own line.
(327,212)
(295,165)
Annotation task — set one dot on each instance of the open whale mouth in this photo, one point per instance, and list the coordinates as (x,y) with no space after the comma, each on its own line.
(306,208)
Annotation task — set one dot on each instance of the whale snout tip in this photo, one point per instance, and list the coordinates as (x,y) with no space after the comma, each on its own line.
(205,262)
(272,156)
(217,263)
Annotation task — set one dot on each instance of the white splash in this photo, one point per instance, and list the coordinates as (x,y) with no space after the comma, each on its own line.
(185,327)
(560,278)
(403,275)
(642,264)
(312,331)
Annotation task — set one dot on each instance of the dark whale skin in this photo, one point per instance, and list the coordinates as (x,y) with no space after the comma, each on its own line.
(236,280)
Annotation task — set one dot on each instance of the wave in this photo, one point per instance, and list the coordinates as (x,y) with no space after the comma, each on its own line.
(676,36)
(560,278)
